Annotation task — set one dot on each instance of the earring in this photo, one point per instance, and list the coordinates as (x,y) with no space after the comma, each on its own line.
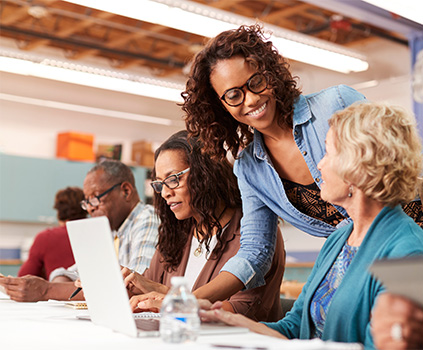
(350,191)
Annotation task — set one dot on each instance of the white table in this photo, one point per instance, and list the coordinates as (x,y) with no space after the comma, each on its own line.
(49,325)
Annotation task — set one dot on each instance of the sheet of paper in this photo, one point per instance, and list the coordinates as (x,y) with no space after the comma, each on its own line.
(401,276)
(254,342)
(3,294)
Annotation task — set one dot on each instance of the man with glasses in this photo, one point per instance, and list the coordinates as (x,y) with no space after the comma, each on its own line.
(109,190)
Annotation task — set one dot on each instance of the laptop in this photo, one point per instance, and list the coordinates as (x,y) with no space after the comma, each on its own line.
(105,293)
(402,276)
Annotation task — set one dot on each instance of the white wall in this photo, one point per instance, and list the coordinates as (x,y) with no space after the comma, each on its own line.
(31,130)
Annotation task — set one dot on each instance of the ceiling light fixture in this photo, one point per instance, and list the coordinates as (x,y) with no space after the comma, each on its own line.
(70,72)
(207,21)
(411,9)
(89,110)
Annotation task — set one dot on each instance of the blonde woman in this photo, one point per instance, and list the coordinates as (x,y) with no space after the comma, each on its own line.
(372,164)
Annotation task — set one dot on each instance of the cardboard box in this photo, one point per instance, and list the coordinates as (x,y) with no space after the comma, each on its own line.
(109,152)
(142,153)
(75,146)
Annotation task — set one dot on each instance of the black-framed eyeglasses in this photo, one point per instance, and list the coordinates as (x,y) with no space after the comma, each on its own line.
(172,181)
(236,96)
(95,201)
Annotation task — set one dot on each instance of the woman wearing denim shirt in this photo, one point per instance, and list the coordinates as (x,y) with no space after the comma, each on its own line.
(241,95)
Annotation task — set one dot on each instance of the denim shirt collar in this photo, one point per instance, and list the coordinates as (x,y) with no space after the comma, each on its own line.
(301,115)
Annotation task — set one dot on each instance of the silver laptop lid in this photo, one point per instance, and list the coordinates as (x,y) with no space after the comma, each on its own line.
(105,293)
(99,270)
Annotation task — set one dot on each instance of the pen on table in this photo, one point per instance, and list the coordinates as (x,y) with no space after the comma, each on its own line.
(77,290)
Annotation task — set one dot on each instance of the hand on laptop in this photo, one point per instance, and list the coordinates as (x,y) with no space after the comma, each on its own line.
(138,284)
(151,302)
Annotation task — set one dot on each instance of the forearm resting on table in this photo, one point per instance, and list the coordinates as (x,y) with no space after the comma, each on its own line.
(64,287)
(221,288)
(34,288)
(63,290)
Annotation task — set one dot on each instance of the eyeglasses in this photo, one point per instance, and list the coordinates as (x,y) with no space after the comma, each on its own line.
(236,96)
(171,182)
(95,201)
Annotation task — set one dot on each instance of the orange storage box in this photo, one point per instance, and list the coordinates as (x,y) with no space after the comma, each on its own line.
(75,146)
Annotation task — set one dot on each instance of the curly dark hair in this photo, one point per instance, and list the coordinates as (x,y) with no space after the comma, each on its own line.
(211,184)
(206,117)
(67,204)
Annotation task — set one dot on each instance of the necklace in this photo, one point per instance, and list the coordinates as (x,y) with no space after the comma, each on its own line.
(199,251)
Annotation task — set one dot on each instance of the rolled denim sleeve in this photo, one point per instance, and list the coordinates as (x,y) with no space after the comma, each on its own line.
(258,239)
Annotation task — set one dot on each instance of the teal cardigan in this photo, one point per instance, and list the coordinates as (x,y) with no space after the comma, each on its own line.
(393,234)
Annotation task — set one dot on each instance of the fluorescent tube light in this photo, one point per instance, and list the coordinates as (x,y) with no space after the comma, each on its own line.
(206,21)
(411,9)
(70,72)
(89,110)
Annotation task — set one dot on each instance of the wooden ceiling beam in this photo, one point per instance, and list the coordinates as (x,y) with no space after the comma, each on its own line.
(276,16)
(163,73)
(16,16)
(82,25)
(129,63)
(68,30)
(122,40)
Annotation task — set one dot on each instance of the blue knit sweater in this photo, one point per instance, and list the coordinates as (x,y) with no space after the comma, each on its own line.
(392,234)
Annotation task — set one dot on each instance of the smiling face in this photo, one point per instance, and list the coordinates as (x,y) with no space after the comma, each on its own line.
(333,189)
(178,199)
(257,110)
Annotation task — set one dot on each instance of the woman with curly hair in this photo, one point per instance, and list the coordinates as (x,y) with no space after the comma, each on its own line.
(199,205)
(372,164)
(241,96)
(51,248)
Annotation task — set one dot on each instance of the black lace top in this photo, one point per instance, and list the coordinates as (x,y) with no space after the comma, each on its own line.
(306,198)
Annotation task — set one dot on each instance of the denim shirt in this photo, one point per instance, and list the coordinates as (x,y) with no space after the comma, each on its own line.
(263,195)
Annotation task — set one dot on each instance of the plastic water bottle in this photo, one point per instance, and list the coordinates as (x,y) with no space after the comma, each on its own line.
(179,314)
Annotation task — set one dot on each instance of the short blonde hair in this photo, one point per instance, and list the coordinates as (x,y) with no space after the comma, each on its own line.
(379,151)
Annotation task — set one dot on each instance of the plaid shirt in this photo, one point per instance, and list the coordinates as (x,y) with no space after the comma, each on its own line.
(138,236)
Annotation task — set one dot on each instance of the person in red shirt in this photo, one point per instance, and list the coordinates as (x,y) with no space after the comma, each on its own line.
(51,248)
